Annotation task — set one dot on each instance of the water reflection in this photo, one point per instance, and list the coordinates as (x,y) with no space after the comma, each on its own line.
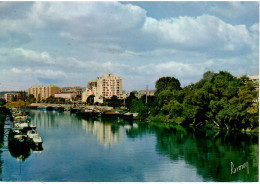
(45,119)
(20,151)
(210,152)
(107,134)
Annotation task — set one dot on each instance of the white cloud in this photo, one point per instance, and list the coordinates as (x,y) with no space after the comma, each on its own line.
(38,72)
(195,32)
(181,71)
(34,56)
(234,9)
(255,27)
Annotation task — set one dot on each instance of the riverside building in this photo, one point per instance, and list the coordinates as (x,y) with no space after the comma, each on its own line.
(104,87)
(10,96)
(43,92)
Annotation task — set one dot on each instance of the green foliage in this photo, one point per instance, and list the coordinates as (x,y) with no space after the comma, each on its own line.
(219,100)
(129,99)
(114,101)
(54,100)
(141,108)
(2,102)
(22,95)
(31,98)
(90,100)
(208,75)
(16,104)
(167,83)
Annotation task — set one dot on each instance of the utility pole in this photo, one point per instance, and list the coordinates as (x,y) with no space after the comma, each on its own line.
(146,94)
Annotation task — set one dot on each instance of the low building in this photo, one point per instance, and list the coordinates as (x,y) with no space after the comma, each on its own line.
(69,96)
(254,78)
(98,100)
(77,90)
(145,92)
(10,96)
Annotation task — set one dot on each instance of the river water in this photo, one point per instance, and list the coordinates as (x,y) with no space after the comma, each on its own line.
(77,149)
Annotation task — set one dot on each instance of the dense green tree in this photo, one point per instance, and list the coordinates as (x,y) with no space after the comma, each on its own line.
(31,98)
(219,99)
(90,100)
(114,101)
(129,99)
(167,83)
(2,101)
(140,107)
(208,75)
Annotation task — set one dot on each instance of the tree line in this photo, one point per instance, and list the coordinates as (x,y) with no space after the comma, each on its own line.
(218,100)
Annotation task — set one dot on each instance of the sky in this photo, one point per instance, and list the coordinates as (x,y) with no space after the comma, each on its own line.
(71,43)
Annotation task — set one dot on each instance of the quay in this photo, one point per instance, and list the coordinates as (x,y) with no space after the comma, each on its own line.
(69,106)
(104,112)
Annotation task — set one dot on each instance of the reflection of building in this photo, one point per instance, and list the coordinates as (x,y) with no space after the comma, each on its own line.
(43,92)
(104,87)
(104,132)
(10,96)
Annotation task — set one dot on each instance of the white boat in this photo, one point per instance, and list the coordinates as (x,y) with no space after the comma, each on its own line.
(20,137)
(37,140)
(32,133)
(21,125)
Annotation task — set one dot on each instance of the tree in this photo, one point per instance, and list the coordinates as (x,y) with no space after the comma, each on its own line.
(169,83)
(138,106)
(129,99)
(219,99)
(2,101)
(90,100)
(114,101)
(31,98)
(208,75)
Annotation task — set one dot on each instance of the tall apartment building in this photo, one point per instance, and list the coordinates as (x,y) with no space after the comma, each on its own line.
(109,85)
(43,92)
(104,87)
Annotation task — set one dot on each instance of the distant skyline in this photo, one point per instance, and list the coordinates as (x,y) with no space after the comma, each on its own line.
(71,43)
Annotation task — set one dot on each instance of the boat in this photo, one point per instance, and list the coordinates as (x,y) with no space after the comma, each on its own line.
(74,110)
(31,133)
(111,114)
(88,113)
(22,134)
(49,108)
(37,140)
(59,109)
(19,150)
(128,117)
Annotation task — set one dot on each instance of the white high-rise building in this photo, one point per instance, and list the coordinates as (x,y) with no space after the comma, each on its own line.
(104,87)
(109,85)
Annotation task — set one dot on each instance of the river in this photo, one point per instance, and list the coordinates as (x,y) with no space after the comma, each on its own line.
(82,150)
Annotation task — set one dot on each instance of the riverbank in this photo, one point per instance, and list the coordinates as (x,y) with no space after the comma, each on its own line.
(173,126)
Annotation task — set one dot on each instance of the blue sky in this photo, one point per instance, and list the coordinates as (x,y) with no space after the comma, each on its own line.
(71,43)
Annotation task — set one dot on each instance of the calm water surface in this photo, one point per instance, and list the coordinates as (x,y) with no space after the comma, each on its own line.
(76,149)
